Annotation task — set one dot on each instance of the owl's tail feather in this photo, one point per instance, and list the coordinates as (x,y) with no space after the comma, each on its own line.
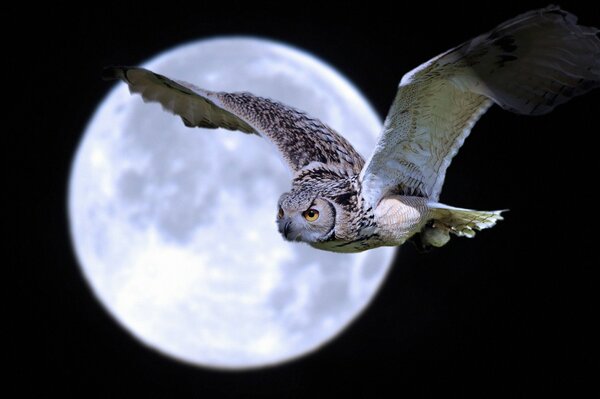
(458,221)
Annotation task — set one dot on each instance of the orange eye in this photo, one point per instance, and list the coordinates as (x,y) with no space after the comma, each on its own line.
(280,213)
(311,215)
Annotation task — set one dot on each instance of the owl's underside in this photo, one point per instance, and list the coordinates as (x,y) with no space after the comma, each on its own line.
(338,202)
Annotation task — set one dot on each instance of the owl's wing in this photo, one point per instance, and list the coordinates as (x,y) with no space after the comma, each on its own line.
(528,65)
(299,138)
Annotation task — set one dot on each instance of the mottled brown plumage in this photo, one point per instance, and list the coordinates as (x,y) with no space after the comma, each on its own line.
(529,65)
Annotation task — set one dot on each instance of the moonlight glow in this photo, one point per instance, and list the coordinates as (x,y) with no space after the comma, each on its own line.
(175,228)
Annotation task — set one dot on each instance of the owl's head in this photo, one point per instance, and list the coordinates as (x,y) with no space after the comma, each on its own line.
(305,218)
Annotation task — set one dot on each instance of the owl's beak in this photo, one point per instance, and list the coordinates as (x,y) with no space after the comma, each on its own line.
(286,229)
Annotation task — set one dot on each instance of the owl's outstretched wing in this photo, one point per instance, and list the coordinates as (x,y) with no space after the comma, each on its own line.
(529,65)
(299,138)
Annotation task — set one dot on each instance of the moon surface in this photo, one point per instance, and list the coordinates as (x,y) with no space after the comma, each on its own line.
(174,228)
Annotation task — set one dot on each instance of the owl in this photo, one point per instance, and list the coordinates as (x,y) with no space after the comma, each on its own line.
(340,202)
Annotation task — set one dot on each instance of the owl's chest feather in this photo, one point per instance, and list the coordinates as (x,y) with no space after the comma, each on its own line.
(394,220)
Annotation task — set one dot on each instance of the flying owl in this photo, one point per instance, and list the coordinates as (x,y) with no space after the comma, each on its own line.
(338,202)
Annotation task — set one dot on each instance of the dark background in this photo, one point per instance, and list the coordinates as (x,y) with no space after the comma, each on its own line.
(509,312)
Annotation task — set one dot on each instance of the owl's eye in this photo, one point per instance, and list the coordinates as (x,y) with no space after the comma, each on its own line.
(311,215)
(280,213)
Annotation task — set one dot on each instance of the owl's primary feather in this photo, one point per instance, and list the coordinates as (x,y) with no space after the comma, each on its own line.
(529,65)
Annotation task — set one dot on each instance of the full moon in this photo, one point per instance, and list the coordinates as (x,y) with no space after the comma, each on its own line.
(174,228)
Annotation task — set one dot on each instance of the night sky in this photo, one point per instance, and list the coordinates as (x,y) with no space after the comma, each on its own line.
(510,311)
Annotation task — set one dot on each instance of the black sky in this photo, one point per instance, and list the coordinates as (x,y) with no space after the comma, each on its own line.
(510,311)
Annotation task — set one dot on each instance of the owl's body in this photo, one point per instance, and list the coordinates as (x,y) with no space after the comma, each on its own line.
(340,202)
(350,223)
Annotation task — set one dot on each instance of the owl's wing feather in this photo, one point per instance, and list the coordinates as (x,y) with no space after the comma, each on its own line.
(300,139)
(528,65)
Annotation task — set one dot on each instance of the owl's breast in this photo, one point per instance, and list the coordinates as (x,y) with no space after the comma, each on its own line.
(360,237)
(342,246)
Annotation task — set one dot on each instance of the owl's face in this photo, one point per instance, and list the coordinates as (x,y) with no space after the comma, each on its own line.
(310,220)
